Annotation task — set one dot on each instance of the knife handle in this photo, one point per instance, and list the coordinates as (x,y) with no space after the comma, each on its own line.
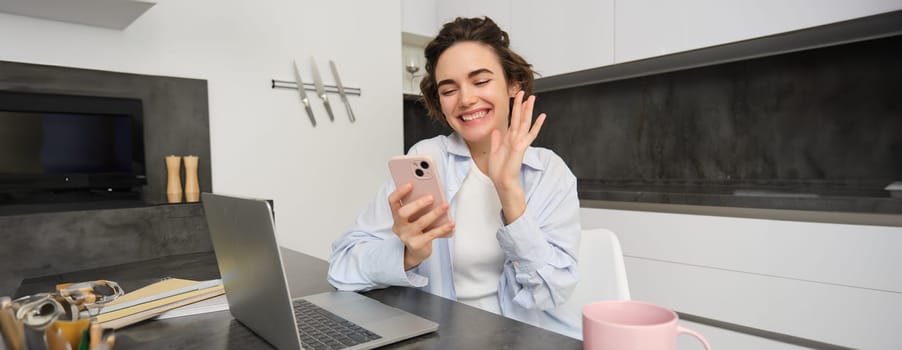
(329,110)
(350,112)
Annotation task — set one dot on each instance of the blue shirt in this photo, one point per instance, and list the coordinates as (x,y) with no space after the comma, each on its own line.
(540,247)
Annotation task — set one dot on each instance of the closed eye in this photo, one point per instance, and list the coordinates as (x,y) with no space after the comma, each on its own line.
(483,82)
(448,92)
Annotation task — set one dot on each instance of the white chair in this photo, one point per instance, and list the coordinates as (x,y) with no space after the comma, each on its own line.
(602,274)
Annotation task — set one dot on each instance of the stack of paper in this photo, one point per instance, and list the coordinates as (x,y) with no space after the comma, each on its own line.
(155,299)
(218,303)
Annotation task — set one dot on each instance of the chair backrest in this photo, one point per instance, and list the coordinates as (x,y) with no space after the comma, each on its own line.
(602,274)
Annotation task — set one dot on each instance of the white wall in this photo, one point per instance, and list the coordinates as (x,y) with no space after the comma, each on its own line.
(262,142)
(833,283)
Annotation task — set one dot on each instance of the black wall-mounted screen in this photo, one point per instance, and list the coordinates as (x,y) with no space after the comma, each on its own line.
(51,142)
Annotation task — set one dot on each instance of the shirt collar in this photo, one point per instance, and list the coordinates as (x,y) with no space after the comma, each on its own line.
(458,147)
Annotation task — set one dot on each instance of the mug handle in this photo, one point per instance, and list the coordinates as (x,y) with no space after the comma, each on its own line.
(681,329)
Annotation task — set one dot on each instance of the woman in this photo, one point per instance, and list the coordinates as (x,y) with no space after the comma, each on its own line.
(514,207)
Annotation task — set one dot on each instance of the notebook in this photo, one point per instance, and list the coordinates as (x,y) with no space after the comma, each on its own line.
(155,299)
(250,263)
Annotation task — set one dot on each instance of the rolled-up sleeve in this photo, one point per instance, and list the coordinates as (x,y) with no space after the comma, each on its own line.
(369,255)
(541,245)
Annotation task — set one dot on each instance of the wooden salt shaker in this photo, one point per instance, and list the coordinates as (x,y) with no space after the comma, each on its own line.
(174,183)
(192,188)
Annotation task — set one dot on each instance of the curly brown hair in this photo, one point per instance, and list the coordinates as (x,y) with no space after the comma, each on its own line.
(482,30)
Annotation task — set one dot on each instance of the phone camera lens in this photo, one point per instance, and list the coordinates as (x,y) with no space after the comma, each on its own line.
(419,172)
(424,165)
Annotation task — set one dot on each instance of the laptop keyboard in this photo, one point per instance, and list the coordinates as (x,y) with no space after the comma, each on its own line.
(321,329)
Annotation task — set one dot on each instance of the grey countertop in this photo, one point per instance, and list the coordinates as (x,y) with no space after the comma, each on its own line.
(801,196)
(461,326)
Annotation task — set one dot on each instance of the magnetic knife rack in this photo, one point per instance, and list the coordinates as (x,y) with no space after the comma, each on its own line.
(283,84)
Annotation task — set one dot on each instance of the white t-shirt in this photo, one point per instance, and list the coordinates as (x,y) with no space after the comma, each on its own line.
(478,258)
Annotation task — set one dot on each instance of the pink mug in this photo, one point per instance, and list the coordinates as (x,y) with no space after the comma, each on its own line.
(631,325)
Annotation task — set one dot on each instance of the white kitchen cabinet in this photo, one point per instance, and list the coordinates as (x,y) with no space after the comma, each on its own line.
(565,37)
(648,28)
(574,35)
(832,283)
(720,338)
(498,10)
(99,13)
(419,17)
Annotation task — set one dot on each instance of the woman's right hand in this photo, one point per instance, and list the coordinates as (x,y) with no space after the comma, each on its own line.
(417,242)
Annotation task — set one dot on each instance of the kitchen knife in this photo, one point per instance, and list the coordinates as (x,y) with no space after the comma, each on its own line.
(321,89)
(341,91)
(303,94)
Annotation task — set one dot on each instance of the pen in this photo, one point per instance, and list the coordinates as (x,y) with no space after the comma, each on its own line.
(95,335)
(107,343)
(55,339)
(73,333)
(13,330)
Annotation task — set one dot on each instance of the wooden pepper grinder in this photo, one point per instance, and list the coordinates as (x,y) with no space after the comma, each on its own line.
(174,184)
(192,188)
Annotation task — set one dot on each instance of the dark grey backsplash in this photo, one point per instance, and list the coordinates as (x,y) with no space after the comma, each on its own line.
(826,115)
(417,125)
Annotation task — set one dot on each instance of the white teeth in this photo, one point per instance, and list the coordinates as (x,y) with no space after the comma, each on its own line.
(477,115)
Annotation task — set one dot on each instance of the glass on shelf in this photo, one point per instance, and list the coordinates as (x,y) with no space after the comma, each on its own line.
(412,67)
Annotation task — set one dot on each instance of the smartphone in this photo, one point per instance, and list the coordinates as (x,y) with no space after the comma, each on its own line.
(420,171)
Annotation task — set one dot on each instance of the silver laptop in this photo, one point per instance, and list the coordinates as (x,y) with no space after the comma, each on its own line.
(250,262)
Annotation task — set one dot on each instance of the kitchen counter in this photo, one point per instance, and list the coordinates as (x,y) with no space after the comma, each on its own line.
(818,202)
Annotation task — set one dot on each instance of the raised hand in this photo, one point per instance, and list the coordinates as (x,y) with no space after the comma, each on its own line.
(506,155)
(417,242)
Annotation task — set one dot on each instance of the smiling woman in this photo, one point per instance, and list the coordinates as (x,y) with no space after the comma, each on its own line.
(474,99)
(514,208)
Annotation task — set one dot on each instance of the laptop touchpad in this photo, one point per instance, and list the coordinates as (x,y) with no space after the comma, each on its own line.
(355,308)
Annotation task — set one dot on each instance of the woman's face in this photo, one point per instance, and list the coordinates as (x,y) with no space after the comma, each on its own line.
(473,92)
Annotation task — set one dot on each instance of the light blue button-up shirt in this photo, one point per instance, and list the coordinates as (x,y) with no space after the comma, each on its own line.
(540,247)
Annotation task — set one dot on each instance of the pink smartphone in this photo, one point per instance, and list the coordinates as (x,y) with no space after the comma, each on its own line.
(419,170)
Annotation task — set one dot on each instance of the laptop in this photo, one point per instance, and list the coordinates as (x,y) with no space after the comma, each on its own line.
(250,263)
